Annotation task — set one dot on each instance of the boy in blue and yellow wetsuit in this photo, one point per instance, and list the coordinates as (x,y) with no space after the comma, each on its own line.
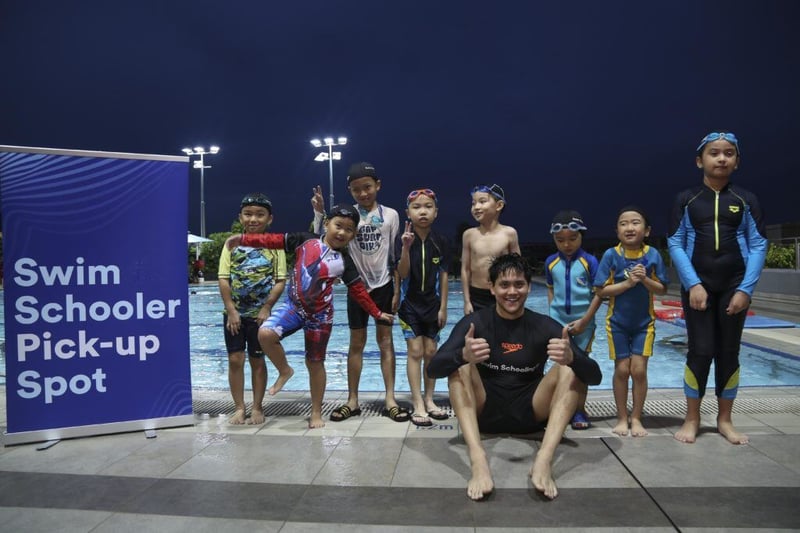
(716,240)
(569,277)
(628,275)
(423,258)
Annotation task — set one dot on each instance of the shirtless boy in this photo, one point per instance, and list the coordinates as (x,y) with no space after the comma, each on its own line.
(482,244)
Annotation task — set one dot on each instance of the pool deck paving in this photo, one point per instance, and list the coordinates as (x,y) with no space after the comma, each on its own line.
(369,473)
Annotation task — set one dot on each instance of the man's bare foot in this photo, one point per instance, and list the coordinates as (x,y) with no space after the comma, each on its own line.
(256,417)
(727,430)
(688,431)
(237,418)
(542,477)
(481,483)
(283,377)
(637,429)
(621,428)
(316,421)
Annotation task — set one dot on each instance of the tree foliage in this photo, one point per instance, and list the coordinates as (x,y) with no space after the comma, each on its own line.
(781,256)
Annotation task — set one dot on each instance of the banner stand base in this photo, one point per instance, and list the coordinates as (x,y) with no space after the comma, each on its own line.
(56,434)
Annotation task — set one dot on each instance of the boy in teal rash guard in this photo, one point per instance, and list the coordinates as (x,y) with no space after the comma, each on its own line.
(569,276)
(716,240)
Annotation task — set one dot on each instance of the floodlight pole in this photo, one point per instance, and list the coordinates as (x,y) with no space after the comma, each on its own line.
(330,174)
(330,156)
(199,150)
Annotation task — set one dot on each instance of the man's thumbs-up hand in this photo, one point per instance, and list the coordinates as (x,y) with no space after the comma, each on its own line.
(559,349)
(475,349)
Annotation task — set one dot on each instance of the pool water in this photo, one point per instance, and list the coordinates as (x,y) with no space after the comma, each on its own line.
(665,370)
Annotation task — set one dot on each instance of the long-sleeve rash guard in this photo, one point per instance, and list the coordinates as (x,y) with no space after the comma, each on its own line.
(316,268)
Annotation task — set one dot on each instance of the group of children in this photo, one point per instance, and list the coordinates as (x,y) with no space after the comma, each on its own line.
(716,240)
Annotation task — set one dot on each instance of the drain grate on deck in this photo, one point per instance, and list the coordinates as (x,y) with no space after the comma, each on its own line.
(217,407)
(598,408)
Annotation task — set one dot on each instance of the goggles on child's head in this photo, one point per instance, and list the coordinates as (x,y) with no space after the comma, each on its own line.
(715,136)
(344,210)
(425,192)
(258,199)
(573,226)
(495,190)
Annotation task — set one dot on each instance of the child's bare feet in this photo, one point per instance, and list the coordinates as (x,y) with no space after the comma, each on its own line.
(688,431)
(726,429)
(542,477)
(621,428)
(637,429)
(283,377)
(256,417)
(481,483)
(316,421)
(237,418)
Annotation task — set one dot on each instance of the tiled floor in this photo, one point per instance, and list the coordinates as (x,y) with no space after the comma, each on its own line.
(371,474)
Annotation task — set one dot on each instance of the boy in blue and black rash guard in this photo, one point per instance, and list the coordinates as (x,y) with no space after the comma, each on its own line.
(716,240)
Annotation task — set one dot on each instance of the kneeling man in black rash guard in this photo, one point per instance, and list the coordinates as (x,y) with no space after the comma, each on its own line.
(494,363)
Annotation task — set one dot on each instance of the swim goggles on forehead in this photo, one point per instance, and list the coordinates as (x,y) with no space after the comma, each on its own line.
(425,192)
(495,190)
(715,136)
(257,199)
(341,211)
(573,226)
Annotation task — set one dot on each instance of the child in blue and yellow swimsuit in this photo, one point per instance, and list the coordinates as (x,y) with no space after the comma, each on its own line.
(716,240)
(628,275)
(569,276)
(319,262)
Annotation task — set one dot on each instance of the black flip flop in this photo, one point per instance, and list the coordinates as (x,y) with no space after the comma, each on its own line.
(438,415)
(344,412)
(397,413)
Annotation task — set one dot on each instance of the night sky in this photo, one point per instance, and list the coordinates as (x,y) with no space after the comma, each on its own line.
(584,105)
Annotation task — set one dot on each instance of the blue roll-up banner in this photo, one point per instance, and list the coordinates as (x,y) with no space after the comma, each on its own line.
(95,292)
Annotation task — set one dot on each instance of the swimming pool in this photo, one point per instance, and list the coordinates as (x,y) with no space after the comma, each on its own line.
(665,370)
(209,363)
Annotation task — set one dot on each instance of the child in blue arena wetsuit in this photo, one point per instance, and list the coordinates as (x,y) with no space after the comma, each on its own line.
(569,276)
(319,262)
(628,275)
(423,259)
(716,240)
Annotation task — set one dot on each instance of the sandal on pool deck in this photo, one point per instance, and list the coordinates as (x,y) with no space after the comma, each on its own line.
(438,414)
(421,420)
(343,412)
(580,421)
(397,413)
